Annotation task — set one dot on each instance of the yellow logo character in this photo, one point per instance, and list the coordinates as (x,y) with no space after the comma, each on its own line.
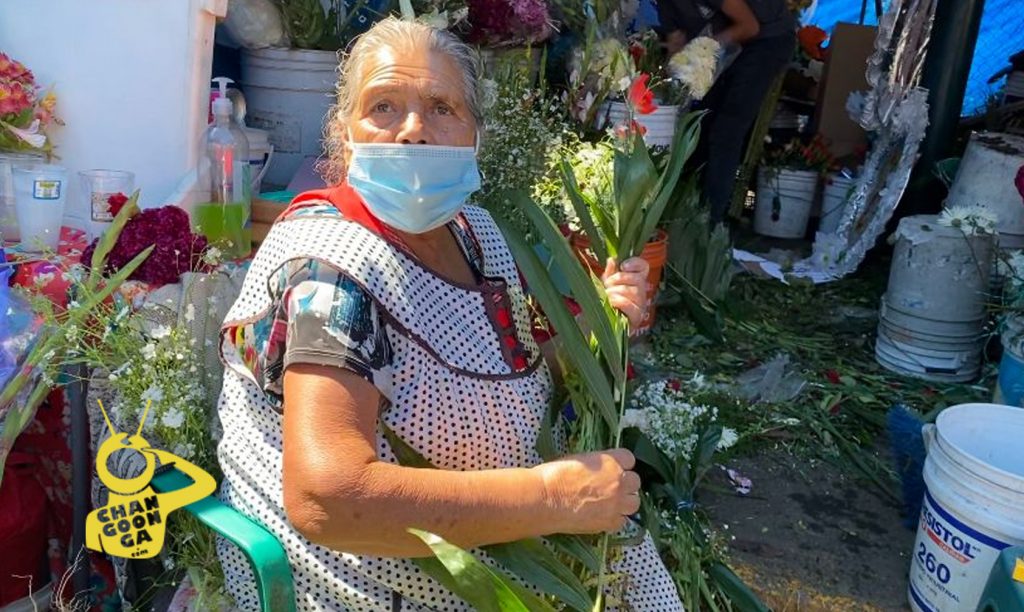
(133,522)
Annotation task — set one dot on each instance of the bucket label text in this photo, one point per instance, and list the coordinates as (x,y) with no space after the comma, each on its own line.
(951,561)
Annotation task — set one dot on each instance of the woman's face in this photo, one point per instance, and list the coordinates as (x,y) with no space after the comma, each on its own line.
(411,97)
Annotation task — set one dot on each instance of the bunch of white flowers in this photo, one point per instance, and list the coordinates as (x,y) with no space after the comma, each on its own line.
(166,376)
(660,410)
(695,65)
(523,129)
(970,219)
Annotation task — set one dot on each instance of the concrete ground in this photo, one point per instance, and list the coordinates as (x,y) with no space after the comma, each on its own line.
(810,539)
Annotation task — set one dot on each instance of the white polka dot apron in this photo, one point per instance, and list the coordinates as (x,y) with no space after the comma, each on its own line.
(455,396)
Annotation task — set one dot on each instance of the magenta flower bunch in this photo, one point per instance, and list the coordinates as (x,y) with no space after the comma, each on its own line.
(505,23)
(177,250)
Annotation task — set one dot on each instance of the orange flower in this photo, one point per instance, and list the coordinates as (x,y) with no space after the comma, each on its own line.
(640,97)
(811,40)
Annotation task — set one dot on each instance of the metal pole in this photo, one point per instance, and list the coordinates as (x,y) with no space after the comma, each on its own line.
(81,480)
(863,11)
(945,73)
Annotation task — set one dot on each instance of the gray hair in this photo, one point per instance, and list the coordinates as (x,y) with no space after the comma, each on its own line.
(391,32)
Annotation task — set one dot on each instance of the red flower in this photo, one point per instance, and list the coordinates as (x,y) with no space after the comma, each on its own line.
(630,372)
(811,40)
(116,202)
(675,385)
(833,377)
(637,51)
(640,97)
(1019,181)
(836,407)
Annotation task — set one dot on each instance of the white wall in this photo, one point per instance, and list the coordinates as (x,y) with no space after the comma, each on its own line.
(132,80)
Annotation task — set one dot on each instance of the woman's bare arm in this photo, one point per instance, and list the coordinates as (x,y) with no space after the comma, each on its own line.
(744,24)
(338,494)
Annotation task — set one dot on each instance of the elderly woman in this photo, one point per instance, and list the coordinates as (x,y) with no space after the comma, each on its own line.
(388,300)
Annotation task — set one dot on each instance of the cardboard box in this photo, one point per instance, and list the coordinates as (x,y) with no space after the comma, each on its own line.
(849,49)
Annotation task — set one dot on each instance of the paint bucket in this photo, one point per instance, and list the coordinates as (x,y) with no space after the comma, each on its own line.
(833,201)
(288,93)
(974,492)
(784,202)
(660,125)
(1010,383)
(985,178)
(932,317)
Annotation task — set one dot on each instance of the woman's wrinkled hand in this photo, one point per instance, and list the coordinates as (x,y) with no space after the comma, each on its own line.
(627,288)
(592,492)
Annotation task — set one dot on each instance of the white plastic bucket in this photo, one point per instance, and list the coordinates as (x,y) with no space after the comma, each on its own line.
(660,125)
(261,153)
(974,496)
(929,327)
(40,194)
(784,201)
(985,178)
(939,273)
(833,202)
(288,93)
(937,366)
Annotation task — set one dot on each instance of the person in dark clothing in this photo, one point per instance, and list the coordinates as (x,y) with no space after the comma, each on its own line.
(765,32)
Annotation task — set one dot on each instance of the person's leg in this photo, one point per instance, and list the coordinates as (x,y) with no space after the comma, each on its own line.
(734,111)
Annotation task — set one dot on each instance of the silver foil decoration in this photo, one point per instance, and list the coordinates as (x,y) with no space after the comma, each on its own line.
(895,111)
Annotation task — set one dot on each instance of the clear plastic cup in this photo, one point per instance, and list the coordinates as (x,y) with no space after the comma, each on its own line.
(40,193)
(8,216)
(97,187)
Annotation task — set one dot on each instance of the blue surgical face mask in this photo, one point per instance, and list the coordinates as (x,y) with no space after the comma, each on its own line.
(413,188)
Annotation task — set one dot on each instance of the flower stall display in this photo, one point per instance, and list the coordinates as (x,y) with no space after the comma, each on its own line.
(786,187)
(660,89)
(143,321)
(27,115)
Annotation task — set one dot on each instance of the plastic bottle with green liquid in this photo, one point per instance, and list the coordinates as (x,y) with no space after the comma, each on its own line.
(226,220)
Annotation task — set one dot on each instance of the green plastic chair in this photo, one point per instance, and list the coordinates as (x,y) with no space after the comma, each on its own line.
(266,556)
(1002,593)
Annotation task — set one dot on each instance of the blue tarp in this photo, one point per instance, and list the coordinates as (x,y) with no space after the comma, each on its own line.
(1001,35)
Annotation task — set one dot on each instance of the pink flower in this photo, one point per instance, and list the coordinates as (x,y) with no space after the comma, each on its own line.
(15,71)
(640,97)
(15,98)
(1019,181)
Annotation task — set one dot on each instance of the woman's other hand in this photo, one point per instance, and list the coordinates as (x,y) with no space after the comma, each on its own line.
(627,288)
(592,492)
